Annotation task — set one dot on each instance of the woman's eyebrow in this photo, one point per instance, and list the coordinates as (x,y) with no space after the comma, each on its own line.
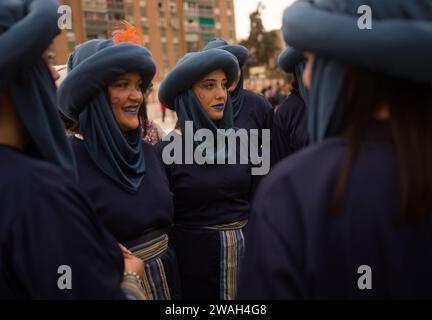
(121,79)
(215,80)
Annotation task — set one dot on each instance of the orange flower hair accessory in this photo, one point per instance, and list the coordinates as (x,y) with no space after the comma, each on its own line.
(129,33)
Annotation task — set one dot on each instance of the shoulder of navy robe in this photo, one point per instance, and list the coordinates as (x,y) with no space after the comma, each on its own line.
(289,131)
(45,223)
(256,112)
(298,250)
(209,194)
(124,214)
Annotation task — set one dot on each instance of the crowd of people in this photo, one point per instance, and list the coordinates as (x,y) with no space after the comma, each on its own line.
(86,186)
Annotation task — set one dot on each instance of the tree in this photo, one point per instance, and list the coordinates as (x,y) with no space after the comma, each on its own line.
(263,46)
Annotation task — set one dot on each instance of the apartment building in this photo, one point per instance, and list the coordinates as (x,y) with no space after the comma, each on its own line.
(170,27)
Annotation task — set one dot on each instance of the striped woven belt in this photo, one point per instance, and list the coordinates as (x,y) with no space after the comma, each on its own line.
(155,281)
(219,227)
(151,249)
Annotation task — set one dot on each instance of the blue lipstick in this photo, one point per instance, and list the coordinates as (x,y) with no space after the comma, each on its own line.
(132,110)
(219,106)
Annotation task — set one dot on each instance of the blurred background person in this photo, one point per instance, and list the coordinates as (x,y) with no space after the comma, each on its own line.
(289,131)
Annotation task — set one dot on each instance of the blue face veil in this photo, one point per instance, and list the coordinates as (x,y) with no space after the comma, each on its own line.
(399,44)
(175,91)
(242,54)
(26,30)
(83,97)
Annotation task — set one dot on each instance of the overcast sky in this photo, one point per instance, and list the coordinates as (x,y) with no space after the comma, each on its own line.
(272,14)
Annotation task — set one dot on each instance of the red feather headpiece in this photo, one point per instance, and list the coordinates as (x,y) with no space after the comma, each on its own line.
(129,33)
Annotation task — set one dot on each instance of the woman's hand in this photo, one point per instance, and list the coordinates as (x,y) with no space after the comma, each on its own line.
(132,264)
(125,251)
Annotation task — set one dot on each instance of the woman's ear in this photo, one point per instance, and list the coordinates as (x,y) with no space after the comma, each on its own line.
(307,72)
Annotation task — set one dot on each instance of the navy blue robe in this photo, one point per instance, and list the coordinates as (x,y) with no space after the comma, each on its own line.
(127,215)
(256,112)
(135,218)
(289,132)
(207,195)
(298,250)
(46,223)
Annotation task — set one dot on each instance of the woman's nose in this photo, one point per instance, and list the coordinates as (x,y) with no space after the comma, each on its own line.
(136,94)
(222,92)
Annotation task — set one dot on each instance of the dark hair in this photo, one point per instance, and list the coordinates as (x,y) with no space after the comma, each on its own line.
(143,118)
(410,131)
(69,124)
(177,125)
(142,114)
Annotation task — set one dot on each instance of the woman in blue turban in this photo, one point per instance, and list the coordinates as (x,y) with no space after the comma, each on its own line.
(250,110)
(52,245)
(350,216)
(122,175)
(211,200)
(289,131)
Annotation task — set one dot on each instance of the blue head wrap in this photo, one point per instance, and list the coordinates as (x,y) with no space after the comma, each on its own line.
(399,44)
(242,54)
(176,92)
(83,97)
(292,60)
(26,30)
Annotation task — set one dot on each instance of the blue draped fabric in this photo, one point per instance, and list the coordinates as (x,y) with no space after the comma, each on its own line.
(298,69)
(329,28)
(188,108)
(26,30)
(237,97)
(83,97)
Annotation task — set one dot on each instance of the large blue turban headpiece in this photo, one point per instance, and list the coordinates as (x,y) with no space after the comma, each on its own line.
(176,92)
(242,54)
(27,28)
(83,97)
(399,45)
